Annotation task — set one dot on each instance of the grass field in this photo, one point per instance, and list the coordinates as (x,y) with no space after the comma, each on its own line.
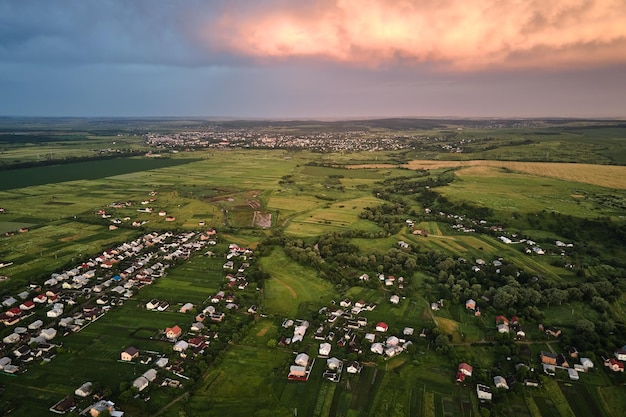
(292,289)
(600,175)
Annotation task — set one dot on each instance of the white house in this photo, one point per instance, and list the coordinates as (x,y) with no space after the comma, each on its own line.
(84,390)
(394,299)
(354,368)
(186,307)
(620,354)
(377,348)
(333,363)
(197,327)
(150,375)
(324,349)
(500,382)
(4,362)
(141,383)
(302,359)
(483,392)
(12,338)
(48,334)
(586,362)
(180,346)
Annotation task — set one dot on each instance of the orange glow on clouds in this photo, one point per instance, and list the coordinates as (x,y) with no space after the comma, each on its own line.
(459,34)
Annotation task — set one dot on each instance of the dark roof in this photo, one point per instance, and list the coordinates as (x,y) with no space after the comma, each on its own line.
(132,351)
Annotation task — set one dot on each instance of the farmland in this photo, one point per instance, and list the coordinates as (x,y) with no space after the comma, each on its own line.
(411,238)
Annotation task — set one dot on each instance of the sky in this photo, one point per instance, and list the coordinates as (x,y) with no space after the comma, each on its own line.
(313,58)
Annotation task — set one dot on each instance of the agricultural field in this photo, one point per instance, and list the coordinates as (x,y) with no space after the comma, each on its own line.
(315,223)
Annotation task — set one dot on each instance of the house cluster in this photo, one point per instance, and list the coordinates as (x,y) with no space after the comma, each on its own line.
(345,331)
(551,361)
(74,298)
(419,232)
(99,408)
(484,392)
(389,346)
(504,325)
(301,369)
(389,281)
(103,213)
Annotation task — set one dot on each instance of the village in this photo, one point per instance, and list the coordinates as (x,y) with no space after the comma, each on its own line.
(71,300)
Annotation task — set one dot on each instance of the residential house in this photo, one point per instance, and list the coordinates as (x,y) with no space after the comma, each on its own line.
(548,358)
(614,365)
(27,305)
(502,327)
(186,307)
(324,350)
(141,383)
(129,354)
(84,390)
(180,346)
(197,327)
(302,359)
(586,363)
(173,332)
(483,392)
(470,304)
(465,368)
(553,331)
(354,368)
(500,382)
(65,405)
(620,354)
(345,302)
(382,327)
(150,375)
(377,348)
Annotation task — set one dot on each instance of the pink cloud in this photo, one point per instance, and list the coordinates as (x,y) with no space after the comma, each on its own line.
(456,34)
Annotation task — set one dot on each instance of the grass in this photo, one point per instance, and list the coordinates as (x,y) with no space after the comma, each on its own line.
(600,175)
(245,373)
(291,286)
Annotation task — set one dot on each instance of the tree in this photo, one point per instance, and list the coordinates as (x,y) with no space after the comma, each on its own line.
(585,326)
(599,304)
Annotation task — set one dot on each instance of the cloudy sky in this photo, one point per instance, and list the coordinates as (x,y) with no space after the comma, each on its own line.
(313,58)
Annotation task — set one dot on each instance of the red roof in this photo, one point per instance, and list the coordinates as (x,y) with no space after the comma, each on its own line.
(196,341)
(382,325)
(465,367)
(174,330)
(27,305)
(460,376)
(15,311)
(502,319)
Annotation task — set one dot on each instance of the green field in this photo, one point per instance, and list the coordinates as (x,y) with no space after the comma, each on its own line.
(318,206)
(292,289)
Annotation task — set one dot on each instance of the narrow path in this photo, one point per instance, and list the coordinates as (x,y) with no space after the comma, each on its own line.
(284,284)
